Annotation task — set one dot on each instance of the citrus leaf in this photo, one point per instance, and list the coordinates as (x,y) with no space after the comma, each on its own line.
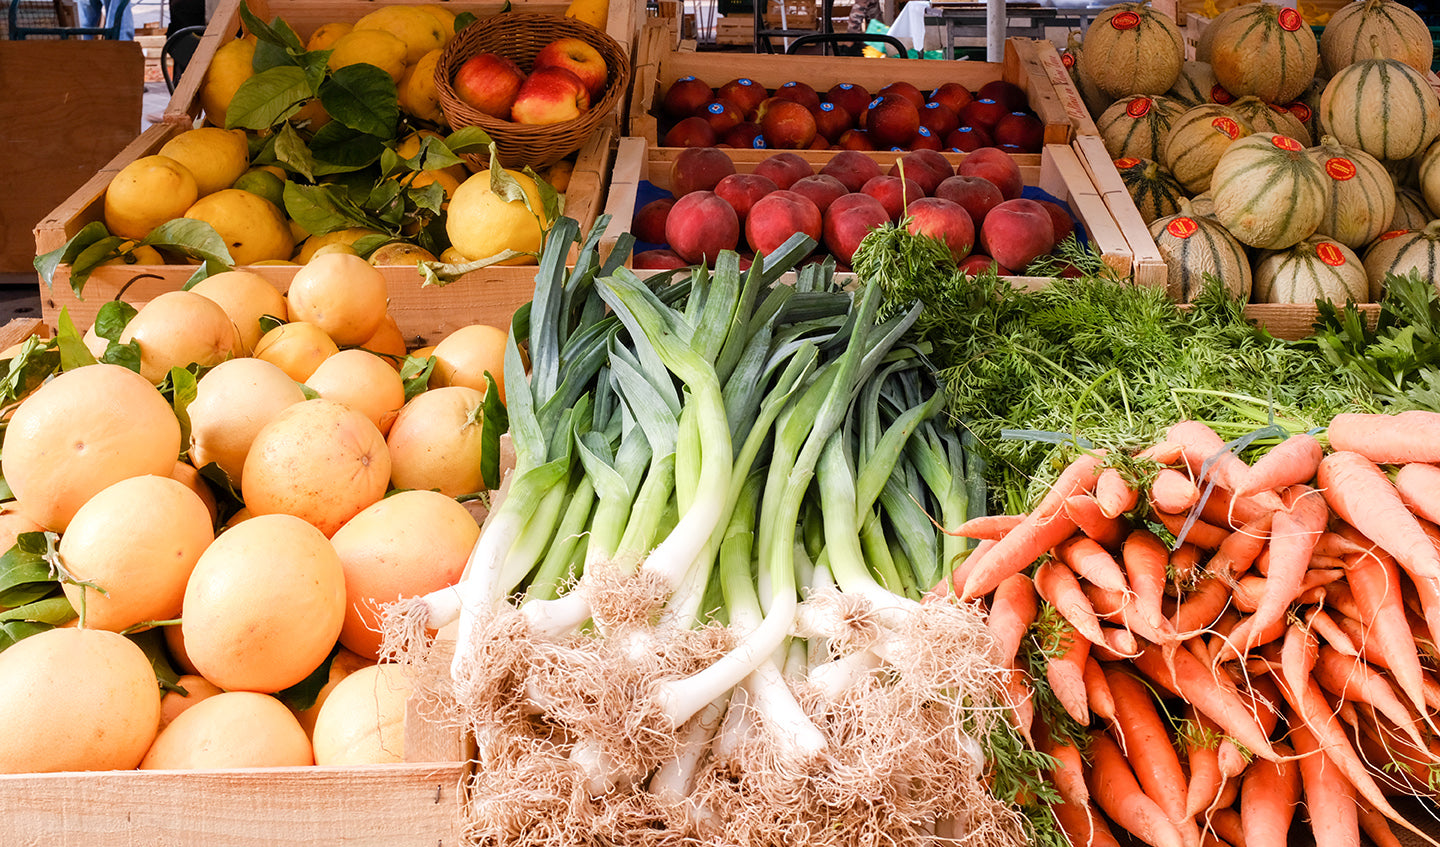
(194,238)
(36,361)
(152,643)
(337,148)
(505,186)
(23,567)
(291,152)
(125,355)
(431,198)
(365,245)
(267,98)
(183,389)
(15,631)
(319,209)
(470,139)
(73,352)
(91,258)
(303,694)
(46,263)
(112,319)
(364,98)
(202,272)
(496,421)
(46,610)
(415,374)
(279,45)
(552,201)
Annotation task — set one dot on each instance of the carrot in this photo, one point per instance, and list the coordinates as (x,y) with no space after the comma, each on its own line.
(1419,487)
(1146,558)
(1293,534)
(1021,546)
(1201,606)
(1412,436)
(1335,545)
(1164,452)
(1083,826)
(1268,794)
(1248,591)
(1174,492)
(1427,591)
(1228,825)
(1232,761)
(1114,787)
(1210,839)
(1326,562)
(1012,609)
(1312,712)
(1145,738)
(1207,456)
(1203,760)
(1292,461)
(1329,796)
(1375,584)
(1066,674)
(1058,586)
(1114,494)
(1222,508)
(992,527)
(1069,771)
(1213,694)
(1248,634)
(1079,477)
(1120,640)
(1237,553)
(1376,827)
(1085,511)
(1352,679)
(1117,607)
(1097,690)
(1021,700)
(1091,562)
(1325,627)
(1361,494)
(955,583)
(1184,561)
(1204,535)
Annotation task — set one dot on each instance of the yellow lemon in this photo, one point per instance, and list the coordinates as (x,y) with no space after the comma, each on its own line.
(420,30)
(444,16)
(253,229)
(481,224)
(132,253)
(232,64)
(325,37)
(418,95)
(400,253)
(311,116)
(217,157)
(373,46)
(146,193)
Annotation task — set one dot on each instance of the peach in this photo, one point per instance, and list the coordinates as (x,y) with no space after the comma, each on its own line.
(1016,232)
(1060,219)
(944,221)
(852,167)
(891,121)
(649,222)
(746,134)
(997,166)
(693,131)
(848,220)
(700,226)
(977,263)
(658,260)
(1022,129)
(976,194)
(819,142)
(722,116)
(927,167)
(742,191)
(952,94)
(777,217)
(784,168)
(850,97)
(745,93)
(939,119)
(855,139)
(801,93)
(968,138)
(786,124)
(925,140)
(686,96)
(893,193)
(831,121)
(699,169)
(908,90)
(1006,93)
(820,189)
(982,112)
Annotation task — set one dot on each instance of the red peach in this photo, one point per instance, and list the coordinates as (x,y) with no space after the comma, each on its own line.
(786,124)
(700,226)
(699,169)
(939,118)
(944,221)
(891,121)
(925,140)
(952,94)
(649,222)
(893,193)
(693,131)
(852,167)
(686,96)
(904,89)
(856,139)
(784,168)
(820,189)
(848,220)
(800,92)
(820,142)
(977,263)
(742,191)
(722,116)
(658,260)
(746,135)
(831,121)
(851,97)
(1060,219)
(927,167)
(1017,232)
(976,194)
(777,217)
(984,113)
(968,138)
(1006,93)
(997,166)
(1022,129)
(745,93)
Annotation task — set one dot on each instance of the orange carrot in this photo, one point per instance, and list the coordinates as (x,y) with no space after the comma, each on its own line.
(1120,640)
(1213,694)
(1069,771)
(1352,679)
(1021,700)
(1325,627)
(1204,535)
(1145,738)
(1361,494)
(955,582)
(1114,494)
(1012,610)
(1114,787)
(1329,796)
(1079,477)
(1163,452)
(1294,460)
(1228,825)
(1335,545)
(1097,690)
(1248,591)
(1174,492)
(1118,607)
(1268,794)
(1210,839)
(1419,487)
(992,527)
(1222,508)
(1375,584)
(1058,586)
(1292,539)
(1145,558)
(1412,436)
(1376,827)
(1066,674)
(1427,591)
(1015,552)
(1232,763)
(1085,511)
(1091,562)
(1183,561)
(1238,552)
(1201,606)
(1083,826)
(1247,635)
(1207,456)
(1203,760)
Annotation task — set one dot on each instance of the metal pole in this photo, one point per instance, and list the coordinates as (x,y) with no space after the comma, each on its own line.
(994,30)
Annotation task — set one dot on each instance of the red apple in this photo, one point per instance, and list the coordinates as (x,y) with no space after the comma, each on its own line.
(685,96)
(490,83)
(944,221)
(549,96)
(745,93)
(578,57)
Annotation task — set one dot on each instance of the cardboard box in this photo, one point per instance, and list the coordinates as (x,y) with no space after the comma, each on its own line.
(1058,172)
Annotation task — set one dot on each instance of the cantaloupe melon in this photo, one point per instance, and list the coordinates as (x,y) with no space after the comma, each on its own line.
(1376,29)
(1205,43)
(1196,141)
(1195,247)
(1403,251)
(1317,268)
(1073,58)
(1136,126)
(1268,193)
(1269,119)
(1266,51)
(1361,200)
(1411,210)
(1138,50)
(1428,176)
(1197,84)
(1383,106)
(1156,192)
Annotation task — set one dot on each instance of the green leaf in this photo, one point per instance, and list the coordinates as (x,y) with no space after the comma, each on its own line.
(15,631)
(552,201)
(152,643)
(368,244)
(505,186)
(494,424)
(23,595)
(337,148)
(47,263)
(362,97)
(269,322)
(431,198)
(48,610)
(125,355)
(202,272)
(465,19)
(38,359)
(73,352)
(267,98)
(194,238)
(470,139)
(302,695)
(292,154)
(385,201)
(20,566)
(319,209)
(91,258)
(183,387)
(112,318)
(415,374)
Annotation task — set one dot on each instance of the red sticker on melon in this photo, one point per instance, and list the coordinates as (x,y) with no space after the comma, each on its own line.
(1285,142)
(1330,254)
(1068,60)
(1182,227)
(1219,95)
(1125,20)
(1226,126)
(1290,20)
(1340,169)
(1138,108)
(1127,162)
(1300,111)
(1394,233)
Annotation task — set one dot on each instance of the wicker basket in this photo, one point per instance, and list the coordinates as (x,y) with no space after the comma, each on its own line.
(519,36)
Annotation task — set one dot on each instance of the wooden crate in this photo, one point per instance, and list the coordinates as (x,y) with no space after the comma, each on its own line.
(657,67)
(305,16)
(1282,320)
(424,313)
(1042,62)
(1058,172)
